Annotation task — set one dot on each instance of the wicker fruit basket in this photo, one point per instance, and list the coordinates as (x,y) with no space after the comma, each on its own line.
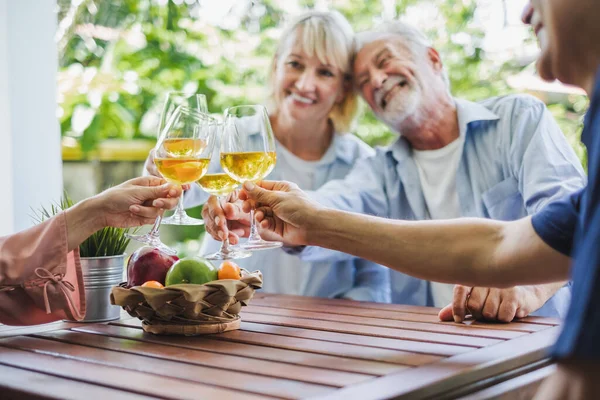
(188,309)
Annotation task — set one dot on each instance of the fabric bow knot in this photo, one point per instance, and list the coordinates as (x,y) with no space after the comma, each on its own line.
(64,286)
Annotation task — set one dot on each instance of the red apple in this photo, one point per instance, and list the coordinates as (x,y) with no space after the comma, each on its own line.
(148,264)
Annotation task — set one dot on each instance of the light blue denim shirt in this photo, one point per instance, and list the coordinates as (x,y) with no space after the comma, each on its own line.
(515,160)
(351,278)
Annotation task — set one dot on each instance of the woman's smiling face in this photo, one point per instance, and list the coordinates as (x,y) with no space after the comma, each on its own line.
(307,87)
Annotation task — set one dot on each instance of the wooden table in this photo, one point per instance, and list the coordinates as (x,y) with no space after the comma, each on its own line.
(287,347)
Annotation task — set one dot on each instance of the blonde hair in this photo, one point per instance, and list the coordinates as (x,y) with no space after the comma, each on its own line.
(329,36)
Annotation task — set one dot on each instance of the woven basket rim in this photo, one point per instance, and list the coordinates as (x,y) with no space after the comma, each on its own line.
(213,302)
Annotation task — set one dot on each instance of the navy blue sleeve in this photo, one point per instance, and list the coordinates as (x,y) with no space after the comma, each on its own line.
(581,330)
(556,222)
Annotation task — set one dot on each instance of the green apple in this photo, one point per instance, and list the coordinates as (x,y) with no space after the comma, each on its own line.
(191,270)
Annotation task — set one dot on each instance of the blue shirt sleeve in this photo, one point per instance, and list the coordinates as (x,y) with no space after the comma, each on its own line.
(581,329)
(556,222)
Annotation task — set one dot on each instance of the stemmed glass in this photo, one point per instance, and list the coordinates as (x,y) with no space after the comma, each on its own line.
(196,102)
(220,184)
(182,156)
(248,154)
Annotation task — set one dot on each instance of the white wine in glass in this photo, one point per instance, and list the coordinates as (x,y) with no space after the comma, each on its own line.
(195,102)
(248,154)
(183,156)
(249,165)
(221,185)
(173,100)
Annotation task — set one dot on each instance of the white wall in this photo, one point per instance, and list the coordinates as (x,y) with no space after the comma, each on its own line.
(6,199)
(29,130)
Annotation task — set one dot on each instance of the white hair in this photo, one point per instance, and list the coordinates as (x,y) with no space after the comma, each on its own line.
(414,39)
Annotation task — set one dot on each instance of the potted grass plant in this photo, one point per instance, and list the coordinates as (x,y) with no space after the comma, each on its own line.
(102,263)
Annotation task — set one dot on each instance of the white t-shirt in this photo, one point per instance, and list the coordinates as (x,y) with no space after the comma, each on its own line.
(437,172)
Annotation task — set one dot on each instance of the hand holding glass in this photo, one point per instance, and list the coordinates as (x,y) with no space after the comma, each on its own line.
(182,156)
(221,185)
(248,154)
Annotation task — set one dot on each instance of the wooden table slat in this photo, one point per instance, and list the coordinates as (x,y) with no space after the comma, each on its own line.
(445,350)
(393,315)
(246,350)
(171,370)
(297,357)
(393,358)
(274,298)
(394,333)
(338,349)
(453,372)
(442,327)
(17,383)
(271,369)
(145,383)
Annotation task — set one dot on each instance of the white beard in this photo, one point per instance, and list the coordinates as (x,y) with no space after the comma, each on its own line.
(402,105)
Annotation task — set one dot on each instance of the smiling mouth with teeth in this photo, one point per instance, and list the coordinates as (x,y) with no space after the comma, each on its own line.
(301,99)
(384,101)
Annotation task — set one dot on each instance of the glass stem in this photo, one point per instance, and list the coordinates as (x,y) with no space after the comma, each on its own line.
(225,243)
(154,230)
(225,246)
(179,210)
(254,236)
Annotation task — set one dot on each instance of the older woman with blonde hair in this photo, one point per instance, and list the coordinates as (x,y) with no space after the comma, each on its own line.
(312,109)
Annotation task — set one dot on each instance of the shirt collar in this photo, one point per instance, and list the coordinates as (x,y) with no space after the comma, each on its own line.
(467,112)
(344,149)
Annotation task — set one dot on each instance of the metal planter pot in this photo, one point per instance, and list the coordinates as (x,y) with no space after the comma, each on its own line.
(100,274)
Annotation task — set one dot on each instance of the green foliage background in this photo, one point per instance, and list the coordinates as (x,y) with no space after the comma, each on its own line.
(118,57)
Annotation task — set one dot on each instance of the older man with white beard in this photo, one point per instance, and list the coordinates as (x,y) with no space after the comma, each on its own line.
(503,158)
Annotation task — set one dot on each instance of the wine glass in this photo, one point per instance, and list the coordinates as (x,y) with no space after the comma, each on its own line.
(173,99)
(182,155)
(196,102)
(248,154)
(220,184)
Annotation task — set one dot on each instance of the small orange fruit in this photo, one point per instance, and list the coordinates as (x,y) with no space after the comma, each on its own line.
(153,284)
(229,270)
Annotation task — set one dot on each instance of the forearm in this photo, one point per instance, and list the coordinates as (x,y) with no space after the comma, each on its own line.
(473,252)
(83,219)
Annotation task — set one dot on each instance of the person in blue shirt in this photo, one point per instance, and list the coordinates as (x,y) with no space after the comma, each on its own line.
(503,158)
(312,108)
(559,242)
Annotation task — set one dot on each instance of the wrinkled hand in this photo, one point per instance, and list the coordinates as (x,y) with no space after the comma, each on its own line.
(493,304)
(228,219)
(136,202)
(283,211)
